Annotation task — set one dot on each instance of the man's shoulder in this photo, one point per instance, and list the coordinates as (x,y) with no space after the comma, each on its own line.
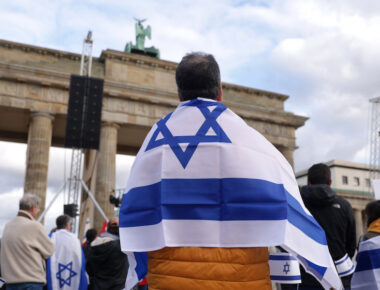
(342,201)
(20,221)
(67,234)
(105,240)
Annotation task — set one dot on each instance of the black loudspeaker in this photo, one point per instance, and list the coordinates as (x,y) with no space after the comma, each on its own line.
(77,91)
(93,113)
(71,210)
(84,112)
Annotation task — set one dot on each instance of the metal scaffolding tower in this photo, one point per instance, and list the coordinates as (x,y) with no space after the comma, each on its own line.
(374,161)
(74,185)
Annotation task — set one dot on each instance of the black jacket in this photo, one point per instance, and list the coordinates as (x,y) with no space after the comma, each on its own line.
(335,215)
(106,265)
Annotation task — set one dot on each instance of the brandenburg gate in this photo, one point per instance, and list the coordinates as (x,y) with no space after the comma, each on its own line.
(138,91)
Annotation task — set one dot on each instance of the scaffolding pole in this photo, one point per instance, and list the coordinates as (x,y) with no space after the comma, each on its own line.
(374,161)
(74,188)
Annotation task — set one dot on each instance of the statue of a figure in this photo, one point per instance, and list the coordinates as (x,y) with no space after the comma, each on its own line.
(141,33)
(140,48)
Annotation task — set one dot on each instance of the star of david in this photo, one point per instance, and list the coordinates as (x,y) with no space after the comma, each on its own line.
(286,268)
(62,278)
(211,111)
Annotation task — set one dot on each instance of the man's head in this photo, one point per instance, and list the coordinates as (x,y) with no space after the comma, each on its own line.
(372,211)
(319,174)
(63,222)
(30,203)
(198,75)
(113,226)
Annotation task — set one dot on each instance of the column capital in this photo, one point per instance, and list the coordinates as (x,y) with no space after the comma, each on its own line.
(110,124)
(44,114)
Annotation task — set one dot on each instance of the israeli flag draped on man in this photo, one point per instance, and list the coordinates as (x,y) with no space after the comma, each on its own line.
(66,269)
(204,178)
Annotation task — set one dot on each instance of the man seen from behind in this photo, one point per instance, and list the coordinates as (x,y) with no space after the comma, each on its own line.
(336,217)
(24,248)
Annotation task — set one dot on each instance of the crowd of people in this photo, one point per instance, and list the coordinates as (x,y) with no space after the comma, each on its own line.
(32,260)
(184,256)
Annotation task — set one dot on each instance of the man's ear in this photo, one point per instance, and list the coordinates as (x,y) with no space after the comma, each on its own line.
(330,182)
(308,182)
(220,95)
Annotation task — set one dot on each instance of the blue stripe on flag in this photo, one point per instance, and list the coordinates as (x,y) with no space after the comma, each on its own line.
(368,260)
(317,270)
(306,223)
(228,199)
(48,273)
(48,270)
(285,278)
(341,262)
(83,283)
(141,264)
(348,271)
(281,258)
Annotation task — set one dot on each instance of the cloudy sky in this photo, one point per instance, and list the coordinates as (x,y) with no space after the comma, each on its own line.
(323,54)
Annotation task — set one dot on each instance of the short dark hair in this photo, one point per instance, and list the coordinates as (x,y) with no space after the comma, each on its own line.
(91,235)
(372,211)
(62,221)
(113,226)
(319,174)
(198,75)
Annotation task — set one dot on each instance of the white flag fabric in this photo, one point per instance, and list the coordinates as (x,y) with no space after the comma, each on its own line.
(138,267)
(367,272)
(87,226)
(204,178)
(66,269)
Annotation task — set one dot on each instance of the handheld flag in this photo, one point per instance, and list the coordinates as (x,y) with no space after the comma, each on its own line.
(204,178)
(284,268)
(66,269)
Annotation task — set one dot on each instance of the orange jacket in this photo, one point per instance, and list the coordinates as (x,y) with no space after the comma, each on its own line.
(209,268)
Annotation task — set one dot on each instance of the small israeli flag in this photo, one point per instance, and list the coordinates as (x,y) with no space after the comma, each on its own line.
(367,272)
(284,268)
(2,282)
(86,228)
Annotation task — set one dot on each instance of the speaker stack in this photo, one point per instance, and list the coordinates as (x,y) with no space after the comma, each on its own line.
(84,112)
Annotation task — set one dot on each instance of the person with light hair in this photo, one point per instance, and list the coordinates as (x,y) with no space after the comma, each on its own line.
(24,248)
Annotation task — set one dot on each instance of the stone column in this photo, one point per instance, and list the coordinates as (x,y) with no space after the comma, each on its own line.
(105,171)
(288,154)
(37,154)
(358,223)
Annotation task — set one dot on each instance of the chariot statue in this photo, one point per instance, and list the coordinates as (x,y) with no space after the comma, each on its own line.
(140,48)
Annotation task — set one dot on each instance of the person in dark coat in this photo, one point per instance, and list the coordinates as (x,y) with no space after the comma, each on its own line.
(107,265)
(336,217)
(90,236)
